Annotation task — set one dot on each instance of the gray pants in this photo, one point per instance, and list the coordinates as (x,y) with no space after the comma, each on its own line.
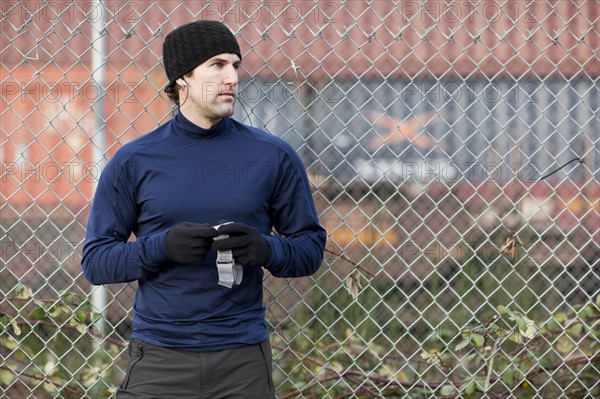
(161,373)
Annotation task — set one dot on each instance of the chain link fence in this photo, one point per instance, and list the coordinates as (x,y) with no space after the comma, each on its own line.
(462,260)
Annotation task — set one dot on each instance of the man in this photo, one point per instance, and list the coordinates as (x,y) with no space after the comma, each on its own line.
(199,328)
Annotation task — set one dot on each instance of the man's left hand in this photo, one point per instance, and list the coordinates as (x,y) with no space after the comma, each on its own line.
(248,246)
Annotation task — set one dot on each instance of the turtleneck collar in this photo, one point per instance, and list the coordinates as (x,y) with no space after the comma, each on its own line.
(182,125)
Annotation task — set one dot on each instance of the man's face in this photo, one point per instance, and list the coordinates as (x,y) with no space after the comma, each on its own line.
(211,90)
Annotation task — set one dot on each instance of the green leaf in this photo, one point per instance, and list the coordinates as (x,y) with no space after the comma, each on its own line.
(4,320)
(504,311)
(89,376)
(9,342)
(430,357)
(353,283)
(546,361)
(447,390)
(82,328)
(50,388)
(564,344)
(561,317)
(478,340)
(586,312)
(553,325)
(337,366)
(57,309)
(516,338)
(474,358)
(577,329)
(107,394)
(6,377)
(462,344)
(508,376)
(81,316)
(480,383)
(470,387)
(23,292)
(16,328)
(527,327)
(425,356)
(68,298)
(38,314)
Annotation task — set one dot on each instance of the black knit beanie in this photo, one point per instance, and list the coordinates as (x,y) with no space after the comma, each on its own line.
(191,44)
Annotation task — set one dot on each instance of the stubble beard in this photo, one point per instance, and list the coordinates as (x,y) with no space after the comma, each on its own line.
(217,109)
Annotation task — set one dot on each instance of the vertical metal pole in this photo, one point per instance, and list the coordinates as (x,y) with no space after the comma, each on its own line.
(99,31)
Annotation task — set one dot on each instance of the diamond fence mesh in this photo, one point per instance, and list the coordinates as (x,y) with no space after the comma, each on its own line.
(460,262)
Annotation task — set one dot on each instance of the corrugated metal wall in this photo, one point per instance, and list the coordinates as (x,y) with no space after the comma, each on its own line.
(332,39)
(469,127)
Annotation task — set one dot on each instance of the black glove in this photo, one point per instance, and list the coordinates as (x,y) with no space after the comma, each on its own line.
(247,244)
(190,242)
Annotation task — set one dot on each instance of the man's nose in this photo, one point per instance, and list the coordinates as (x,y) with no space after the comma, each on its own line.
(231,75)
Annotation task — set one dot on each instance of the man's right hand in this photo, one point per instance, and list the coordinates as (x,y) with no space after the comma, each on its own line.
(190,242)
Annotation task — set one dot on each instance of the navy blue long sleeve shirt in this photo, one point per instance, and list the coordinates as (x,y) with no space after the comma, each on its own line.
(181,172)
